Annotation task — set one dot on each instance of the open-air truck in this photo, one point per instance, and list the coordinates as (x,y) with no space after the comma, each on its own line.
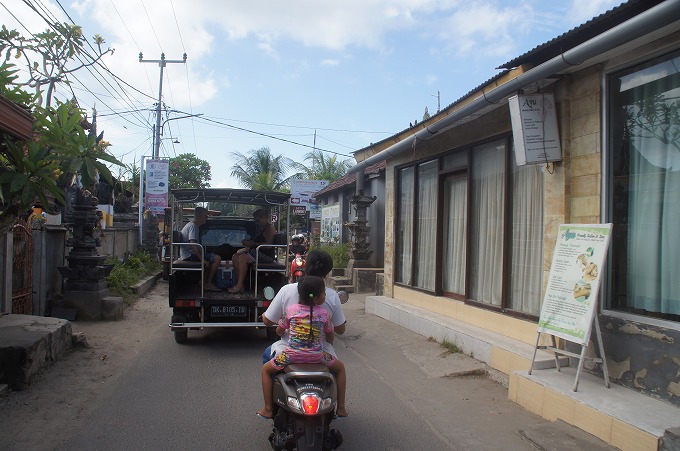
(195,308)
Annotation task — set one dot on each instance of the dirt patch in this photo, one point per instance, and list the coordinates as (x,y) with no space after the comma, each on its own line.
(42,416)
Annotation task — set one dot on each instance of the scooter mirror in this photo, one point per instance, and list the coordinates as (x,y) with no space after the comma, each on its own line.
(344,296)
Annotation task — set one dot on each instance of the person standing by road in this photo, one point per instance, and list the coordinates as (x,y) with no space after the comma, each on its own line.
(192,253)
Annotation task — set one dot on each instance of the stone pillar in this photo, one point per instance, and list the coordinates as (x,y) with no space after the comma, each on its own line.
(358,229)
(85,290)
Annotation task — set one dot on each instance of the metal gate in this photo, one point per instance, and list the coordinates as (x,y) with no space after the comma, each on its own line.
(22,273)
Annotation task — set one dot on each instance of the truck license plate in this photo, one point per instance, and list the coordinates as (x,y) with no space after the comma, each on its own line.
(228,310)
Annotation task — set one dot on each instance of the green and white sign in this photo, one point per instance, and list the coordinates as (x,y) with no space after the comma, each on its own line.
(574,282)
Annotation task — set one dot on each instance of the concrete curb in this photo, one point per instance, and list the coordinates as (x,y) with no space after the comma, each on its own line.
(144,285)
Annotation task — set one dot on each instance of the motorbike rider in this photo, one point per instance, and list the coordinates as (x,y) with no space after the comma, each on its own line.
(318,263)
(296,247)
(306,326)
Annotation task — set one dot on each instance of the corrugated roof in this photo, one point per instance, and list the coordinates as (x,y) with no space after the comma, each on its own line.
(350,179)
(582,33)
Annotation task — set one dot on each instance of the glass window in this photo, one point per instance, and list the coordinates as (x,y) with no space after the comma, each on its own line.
(425,260)
(486,241)
(455,235)
(404,235)
(526,270)
(644,188)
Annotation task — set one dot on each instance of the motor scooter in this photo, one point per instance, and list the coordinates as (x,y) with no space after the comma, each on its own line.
(297,268)
(305,399)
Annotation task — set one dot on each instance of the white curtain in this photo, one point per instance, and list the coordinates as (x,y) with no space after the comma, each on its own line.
(653,269)
(455,233)
(427,225)
(527,240)
(405,226)
(486,253)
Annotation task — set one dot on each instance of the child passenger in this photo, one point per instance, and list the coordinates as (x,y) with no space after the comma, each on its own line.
(305,325)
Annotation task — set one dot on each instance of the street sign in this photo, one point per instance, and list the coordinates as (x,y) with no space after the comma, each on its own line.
(299,210)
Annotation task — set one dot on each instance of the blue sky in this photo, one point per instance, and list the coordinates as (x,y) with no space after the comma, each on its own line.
(353,71)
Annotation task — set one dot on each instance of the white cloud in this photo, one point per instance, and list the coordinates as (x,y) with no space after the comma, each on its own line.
(486,28)
(330,62)
(582,11)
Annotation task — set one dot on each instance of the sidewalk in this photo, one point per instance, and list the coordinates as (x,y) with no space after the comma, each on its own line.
(380,342)
(617,415)
(30,344)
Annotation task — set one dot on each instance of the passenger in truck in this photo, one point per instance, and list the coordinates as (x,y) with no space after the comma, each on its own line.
(246,256)
(192,253)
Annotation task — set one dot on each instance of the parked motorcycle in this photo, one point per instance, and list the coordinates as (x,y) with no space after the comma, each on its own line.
(297,268)
(305,399)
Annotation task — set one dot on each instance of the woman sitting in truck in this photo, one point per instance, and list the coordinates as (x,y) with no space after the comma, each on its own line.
(246,256)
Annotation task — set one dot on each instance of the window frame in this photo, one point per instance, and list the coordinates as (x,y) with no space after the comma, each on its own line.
(504,306)
(608,74)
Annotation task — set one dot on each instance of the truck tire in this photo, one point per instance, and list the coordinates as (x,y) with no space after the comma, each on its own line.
(165,273)
(181,335)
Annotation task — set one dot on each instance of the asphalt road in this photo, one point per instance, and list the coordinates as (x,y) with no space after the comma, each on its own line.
(203,394)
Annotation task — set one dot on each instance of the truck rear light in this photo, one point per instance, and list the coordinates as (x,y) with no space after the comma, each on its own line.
(187,303)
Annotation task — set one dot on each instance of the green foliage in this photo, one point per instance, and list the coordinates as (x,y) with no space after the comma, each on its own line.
(48,55)
(324,167)
(127,273)
(339,252)
(260,170)
(189,171)
(61,146)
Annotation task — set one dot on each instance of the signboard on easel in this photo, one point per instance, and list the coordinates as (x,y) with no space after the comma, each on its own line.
(570,301)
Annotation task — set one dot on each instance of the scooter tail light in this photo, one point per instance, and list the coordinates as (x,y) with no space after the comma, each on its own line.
(310,404)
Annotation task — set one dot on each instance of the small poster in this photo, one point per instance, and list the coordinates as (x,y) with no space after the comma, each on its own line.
(574,282)
(157,174)
(330,224)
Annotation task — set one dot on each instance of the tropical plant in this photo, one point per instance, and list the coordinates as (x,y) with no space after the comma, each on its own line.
(64,144)
(324,166)
(48,54)
(260,170)
(189,171)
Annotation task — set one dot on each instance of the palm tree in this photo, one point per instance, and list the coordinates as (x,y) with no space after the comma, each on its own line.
(324,167)
(260,170)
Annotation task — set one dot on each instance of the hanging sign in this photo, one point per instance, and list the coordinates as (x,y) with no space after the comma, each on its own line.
(534,129)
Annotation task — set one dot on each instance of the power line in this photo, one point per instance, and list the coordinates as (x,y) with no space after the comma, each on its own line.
(270,136)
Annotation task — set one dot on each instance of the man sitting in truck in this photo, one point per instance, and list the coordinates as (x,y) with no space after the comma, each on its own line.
(190,253)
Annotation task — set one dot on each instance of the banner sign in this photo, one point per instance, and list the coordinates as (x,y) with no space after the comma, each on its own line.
(574,282)
(330,224)
(302,191)
(157,174)
(299,210)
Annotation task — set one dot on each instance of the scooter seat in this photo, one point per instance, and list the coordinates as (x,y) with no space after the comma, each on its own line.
(306,367)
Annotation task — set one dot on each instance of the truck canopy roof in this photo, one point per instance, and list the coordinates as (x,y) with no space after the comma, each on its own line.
(230,195)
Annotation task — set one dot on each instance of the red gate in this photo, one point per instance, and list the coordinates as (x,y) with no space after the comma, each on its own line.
(22,274)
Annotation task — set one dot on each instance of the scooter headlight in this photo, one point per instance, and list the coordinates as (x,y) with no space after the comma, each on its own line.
(310,404)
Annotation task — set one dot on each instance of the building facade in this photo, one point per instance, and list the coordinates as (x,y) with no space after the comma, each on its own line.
(470,235)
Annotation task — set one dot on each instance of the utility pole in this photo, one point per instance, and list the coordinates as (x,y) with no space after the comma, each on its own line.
(161,63)
(438,101)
